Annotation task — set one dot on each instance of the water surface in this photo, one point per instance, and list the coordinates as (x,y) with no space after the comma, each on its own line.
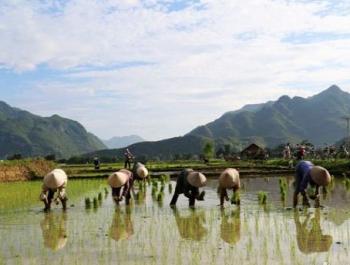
(150,232)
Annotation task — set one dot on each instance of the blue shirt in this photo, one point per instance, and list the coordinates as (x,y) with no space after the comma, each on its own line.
(303,177)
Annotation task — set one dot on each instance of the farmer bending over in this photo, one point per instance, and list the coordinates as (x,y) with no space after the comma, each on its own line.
(56,180)
(140,171)
(118,180)
(229,179)
(188,183)
(307,173)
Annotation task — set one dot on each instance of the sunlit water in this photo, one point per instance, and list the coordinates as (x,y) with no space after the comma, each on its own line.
(150,232)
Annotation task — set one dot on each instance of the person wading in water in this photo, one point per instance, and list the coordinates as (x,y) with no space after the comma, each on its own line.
(188,183)
(307,173)
(55,181)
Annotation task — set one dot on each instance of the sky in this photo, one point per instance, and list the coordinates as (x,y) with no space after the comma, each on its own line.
(160,68)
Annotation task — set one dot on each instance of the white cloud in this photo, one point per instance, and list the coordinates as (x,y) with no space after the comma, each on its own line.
(188,65)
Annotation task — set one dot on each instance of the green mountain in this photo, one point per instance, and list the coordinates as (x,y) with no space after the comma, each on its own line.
(32,135)
(317,119)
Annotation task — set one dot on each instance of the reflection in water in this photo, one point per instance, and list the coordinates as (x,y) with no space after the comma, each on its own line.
(122,227)
(54,229)
(230,228)
(309,234)
(191,227)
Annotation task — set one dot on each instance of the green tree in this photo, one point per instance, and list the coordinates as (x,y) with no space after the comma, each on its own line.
(208,150)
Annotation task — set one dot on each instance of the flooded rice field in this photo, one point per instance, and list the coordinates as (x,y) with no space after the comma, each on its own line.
(150,232)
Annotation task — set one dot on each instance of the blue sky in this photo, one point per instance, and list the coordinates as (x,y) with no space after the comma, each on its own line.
(160,68)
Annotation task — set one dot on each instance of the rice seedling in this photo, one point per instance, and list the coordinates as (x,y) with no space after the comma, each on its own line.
(106,192)
(346,183)
(235,198)
(87,203)
(99,196)
(160,196)
(155,184)
(170,188)
(310,191)
(95,203)
(154,191)
(283,188)
(164,178)
(262,197)
(162,189)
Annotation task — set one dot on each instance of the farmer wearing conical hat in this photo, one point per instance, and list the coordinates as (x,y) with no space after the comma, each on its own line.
(118,180)
(308,173)
(229,179)
(140,171)
(55,181)
(125,178)
(188,183)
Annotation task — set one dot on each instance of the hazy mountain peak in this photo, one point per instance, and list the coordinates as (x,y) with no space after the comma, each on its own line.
(123,141)
(284,99)
(333,90)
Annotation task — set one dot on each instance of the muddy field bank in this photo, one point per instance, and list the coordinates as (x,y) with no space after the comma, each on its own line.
(24,170)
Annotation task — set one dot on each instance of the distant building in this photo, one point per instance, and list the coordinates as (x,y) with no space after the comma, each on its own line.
(253,151)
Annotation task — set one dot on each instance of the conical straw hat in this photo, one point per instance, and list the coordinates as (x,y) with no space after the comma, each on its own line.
(118,179)
(141,171)
(196,179)
(320,176)
(229,178)
(55,179)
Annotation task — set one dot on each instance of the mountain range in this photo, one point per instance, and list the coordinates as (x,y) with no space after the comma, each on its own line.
(122,141)
(22,132)
(318,119)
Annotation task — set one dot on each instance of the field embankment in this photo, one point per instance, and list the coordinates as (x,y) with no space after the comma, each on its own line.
(24,169)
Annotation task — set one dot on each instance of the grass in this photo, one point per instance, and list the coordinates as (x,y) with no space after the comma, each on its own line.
(283,188)
(22,195)
(87,170)
(235,198)
(346,183)
(262,197)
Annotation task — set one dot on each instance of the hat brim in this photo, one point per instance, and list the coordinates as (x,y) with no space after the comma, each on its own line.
(320,176)
(55,179)
(142,171)
(229,179)
(196,179)
(118,179)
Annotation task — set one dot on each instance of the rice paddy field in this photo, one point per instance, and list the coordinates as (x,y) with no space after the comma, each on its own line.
(263,230)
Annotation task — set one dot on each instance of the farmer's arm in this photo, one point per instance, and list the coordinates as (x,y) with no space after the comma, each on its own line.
(128,185)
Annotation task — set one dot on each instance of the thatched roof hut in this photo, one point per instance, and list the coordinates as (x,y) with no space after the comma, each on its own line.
(253,151)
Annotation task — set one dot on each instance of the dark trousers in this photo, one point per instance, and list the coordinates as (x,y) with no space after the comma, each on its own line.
(116,193)
(50,195)
(127,164)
